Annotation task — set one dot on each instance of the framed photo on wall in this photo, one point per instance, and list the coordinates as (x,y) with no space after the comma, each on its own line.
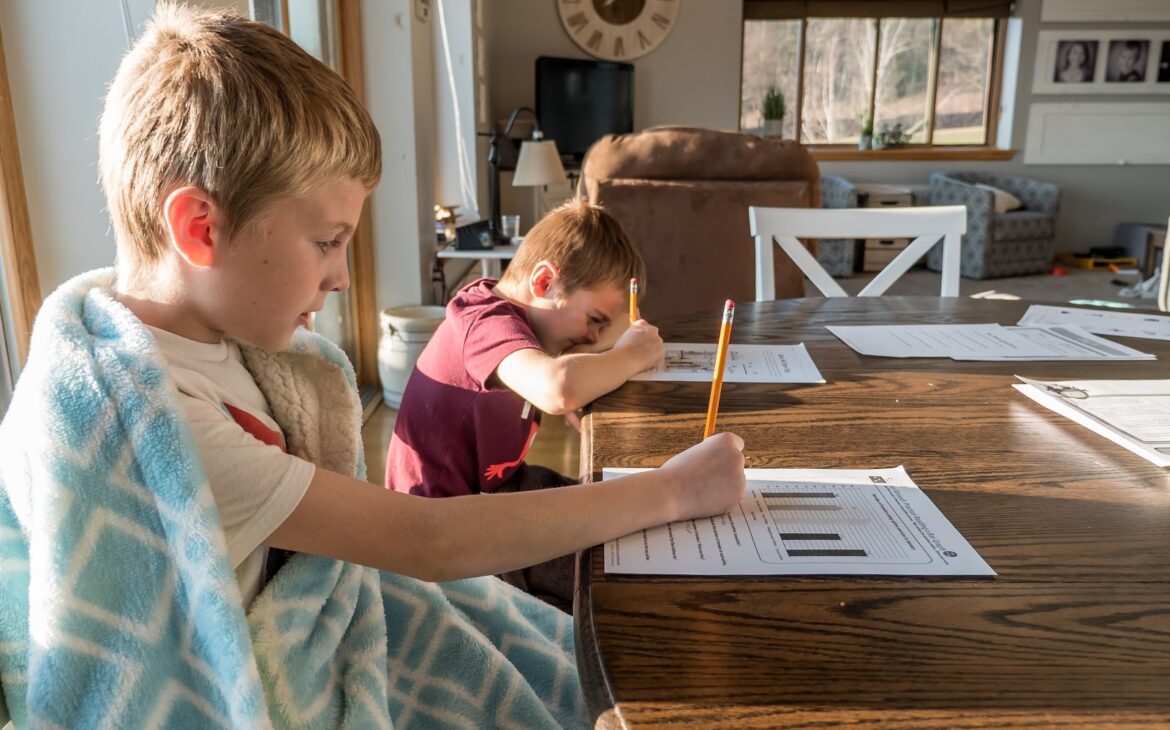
(1102,62)
(1076,61)
(1127,61)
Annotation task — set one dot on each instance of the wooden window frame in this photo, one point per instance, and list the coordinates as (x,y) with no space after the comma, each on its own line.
(16,241)
(363,287)
(833,152)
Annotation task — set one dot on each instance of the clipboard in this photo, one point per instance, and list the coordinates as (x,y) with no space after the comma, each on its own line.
(1134,414)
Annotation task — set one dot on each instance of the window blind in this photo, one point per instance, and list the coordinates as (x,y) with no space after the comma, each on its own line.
(791,9)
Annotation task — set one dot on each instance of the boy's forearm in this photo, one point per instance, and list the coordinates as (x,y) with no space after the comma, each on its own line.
(490,534)
(459,537)
(586,377)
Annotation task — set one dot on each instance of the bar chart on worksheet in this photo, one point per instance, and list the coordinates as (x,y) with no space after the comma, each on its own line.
(806,522)
(813,523)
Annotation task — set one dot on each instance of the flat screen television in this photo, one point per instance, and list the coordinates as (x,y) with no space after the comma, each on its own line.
(578,102)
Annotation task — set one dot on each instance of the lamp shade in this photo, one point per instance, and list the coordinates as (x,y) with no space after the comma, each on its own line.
(539,164)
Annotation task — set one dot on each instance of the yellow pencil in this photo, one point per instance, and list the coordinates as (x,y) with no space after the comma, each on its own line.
(720,366)
(633,300)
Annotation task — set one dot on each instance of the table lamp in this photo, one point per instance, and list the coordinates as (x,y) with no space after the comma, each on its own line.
(539,163)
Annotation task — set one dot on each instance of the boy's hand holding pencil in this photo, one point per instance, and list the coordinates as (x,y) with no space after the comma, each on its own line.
(709,476)
(644,344)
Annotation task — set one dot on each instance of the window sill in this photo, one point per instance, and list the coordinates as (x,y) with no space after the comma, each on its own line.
(838,154)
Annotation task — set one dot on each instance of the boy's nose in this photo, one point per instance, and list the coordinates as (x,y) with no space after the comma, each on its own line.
(338,279)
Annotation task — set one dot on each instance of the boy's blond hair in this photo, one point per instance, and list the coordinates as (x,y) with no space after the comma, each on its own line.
(585,243)
(229,105)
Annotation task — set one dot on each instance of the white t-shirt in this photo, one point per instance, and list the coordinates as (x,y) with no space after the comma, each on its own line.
(256,484)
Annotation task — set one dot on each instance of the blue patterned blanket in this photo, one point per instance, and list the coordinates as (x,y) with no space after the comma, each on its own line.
(119,605)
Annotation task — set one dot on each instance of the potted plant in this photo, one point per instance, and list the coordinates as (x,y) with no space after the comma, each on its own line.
(773,111)
(865,135)
(890,138)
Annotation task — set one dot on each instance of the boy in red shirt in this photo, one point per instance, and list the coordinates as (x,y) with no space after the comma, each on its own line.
(550,336)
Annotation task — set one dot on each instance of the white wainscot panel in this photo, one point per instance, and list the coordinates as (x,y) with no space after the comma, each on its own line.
(1098,134)
(1104,11)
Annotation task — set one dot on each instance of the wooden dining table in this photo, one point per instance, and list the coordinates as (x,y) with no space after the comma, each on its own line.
(1073,632)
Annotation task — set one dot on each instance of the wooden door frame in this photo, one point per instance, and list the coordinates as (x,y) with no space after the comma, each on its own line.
(364,310)
(16,241)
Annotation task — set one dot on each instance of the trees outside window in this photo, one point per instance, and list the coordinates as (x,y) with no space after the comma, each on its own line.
(931,76)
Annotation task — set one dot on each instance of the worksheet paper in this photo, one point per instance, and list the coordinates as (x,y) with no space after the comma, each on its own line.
(1101,321)
(806,522)
(695,362)
(983,342)
(1134,414)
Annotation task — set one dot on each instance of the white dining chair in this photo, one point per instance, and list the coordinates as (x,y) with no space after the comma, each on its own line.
(927,225)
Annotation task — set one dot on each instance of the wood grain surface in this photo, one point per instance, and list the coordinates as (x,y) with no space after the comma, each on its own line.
(1074,632)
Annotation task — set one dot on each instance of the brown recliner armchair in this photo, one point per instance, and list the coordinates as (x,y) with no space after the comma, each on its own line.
(682,195)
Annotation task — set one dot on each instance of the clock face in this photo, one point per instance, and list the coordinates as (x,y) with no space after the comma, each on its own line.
(618,30)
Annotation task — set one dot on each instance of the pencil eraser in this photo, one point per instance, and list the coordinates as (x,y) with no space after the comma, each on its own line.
(729,304)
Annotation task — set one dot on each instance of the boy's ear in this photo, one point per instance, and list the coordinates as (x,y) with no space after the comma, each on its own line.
(191,219)
(542,279)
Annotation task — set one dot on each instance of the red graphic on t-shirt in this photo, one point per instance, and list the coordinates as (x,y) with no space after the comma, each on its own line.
(496,471)
(256,427)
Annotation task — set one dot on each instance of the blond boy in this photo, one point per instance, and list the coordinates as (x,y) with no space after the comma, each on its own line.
(235,167)
(145,457)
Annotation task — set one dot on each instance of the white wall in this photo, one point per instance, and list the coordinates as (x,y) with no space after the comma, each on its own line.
(693,78)
(61,56)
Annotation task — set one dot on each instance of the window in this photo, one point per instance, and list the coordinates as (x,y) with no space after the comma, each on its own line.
(935,78)
(20,290)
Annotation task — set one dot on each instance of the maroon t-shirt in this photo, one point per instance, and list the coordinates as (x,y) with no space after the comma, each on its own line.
(459,432)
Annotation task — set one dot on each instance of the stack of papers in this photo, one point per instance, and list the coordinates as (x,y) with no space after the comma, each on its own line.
(1102,321)
(806,522)
(983,342)
(1131,413)
(695,362)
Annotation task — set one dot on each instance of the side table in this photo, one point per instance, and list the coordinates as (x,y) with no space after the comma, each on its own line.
(489,258)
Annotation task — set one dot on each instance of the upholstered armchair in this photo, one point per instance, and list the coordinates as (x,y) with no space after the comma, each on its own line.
(999,244)
(836,255)
(682,195)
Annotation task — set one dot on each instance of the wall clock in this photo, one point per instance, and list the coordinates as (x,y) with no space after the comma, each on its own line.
(618,30)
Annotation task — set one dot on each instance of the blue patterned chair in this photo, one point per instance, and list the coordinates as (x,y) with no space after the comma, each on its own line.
(999,244)
(836,256)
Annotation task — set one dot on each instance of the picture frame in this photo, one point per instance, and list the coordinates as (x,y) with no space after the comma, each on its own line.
(1089,61)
